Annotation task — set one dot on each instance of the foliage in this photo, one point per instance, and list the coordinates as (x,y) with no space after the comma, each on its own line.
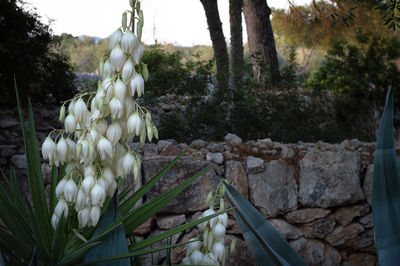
(390,11)
(358,75)
(267,245)
(386,190)
(28,51)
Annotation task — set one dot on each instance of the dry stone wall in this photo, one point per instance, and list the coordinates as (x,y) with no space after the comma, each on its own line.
(318,195)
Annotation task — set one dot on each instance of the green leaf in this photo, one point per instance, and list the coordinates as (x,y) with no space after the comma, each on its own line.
(59,239)
(53,185)
(267,244)
(386,190)
(113,244)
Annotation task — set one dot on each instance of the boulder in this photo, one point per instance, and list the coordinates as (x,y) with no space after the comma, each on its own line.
(254,165)
(169,222)
(193,197)
(19,161)
(318,228)
(367,185)
(357,259)
(274,191)
(341,234)
(217,157)
(345,215)
(329,179)
(233,139)
(287,230)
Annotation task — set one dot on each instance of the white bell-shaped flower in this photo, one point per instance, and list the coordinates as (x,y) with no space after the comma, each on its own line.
(94,135)
(192,246)
(128,162)
(117,58)
(115,38)
(94,215)
(102,126)
(71,149)
(60,188)
(120,90)
(62,150)
(129,107)
(103,183)
(87,183)
(49,149)
(70,123)
(218,231)
(116,108)
(223,219)
(80,110)
(138,53)
(186,261)
(89,170)
(61,208)
(108,175)
(137,85)
(112,187)
(80,200)
(197,257)
(71,106)
(114,132)
(219,250)
(83,217)
(129,42)
(104,148)
(127,71)
(84,144)
(209,259)
(97,194)
(54,220)
(134,124)
(70,190)
(109,70)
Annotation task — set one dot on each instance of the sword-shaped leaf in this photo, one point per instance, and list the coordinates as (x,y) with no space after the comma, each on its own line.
(386,190)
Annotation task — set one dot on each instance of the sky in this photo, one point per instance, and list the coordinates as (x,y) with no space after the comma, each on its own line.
(181,22)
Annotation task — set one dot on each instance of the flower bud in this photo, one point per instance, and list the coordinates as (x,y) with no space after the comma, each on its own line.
(87,183)
(197,257)
(219,250)
(120,90)
(134,124)
(70,190)
(62,150)
(136,168)
(83,217)
(137,85)
(80,110)
(62,114)
(117,58)
(129,42)
(97,194)
(94,215)
(101,66)
(61,208)
(60,188)
(127,71)
(114,133)
(116,108)
(127,163)
(49,149)
(115,38)
(104,148)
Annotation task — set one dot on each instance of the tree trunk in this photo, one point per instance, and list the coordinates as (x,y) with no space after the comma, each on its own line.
(235,14)
(261,40)
(218,43)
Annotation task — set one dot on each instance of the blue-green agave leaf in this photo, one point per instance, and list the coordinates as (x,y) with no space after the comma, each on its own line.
(114,243)
(267,244)
(386,190)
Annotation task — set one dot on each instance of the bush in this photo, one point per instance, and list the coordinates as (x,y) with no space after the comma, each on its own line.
(30,53)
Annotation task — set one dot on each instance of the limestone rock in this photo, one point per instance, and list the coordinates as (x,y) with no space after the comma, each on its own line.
(332,256)
(306,215)
(364,259)
(330,179)
(146,227)
(363,242)
(312,251)
(367,221)
(233,139)
(242,254)
(236,175)
(287,230)
(367,185)
(170,150)
(7,150)
(274,191)
(217,157)
(169,222)
(198,143)
(341,234)
(345,215)
(215,147)
(319,228)
(193,197)
(19,161)
(254,165)
(150,150)
(8,122)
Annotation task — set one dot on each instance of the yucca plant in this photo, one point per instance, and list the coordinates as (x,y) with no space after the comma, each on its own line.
(386,190)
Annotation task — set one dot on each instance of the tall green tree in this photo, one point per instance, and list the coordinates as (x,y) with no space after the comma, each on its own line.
(29,52)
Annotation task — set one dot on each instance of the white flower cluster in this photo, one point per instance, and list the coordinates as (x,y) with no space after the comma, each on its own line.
(95,143)
(210,251)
